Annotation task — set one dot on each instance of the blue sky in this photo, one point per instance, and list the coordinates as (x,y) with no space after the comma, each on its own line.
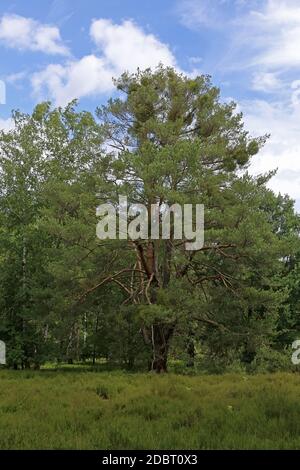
(62,49)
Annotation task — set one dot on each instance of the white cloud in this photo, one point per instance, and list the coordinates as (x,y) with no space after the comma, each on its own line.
(85,77)
(282,151)
(195,14)
(126,46)
(195,60)
(213,14)
(23,33)
(267,35)
(279,12)
(14,78)
(6,124)
(266,81)
(121,47)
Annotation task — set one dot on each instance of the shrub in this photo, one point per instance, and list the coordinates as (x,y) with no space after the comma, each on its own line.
(272,360)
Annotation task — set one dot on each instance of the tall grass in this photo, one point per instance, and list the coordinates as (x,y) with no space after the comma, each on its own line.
(90,410)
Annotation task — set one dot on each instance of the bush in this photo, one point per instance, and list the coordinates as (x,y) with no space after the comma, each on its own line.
(272,360)
(210,363)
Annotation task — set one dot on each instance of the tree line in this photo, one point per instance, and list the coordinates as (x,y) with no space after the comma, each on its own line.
(162,139)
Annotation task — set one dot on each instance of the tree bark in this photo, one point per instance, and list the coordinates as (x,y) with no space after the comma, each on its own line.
(161,335)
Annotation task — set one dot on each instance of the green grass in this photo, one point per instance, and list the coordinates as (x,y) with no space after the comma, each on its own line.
(114,410)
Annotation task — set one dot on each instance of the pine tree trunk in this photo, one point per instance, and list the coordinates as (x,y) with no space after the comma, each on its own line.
(161,335)
(190,349)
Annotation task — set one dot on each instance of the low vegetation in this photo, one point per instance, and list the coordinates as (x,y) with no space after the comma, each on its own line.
(80,409)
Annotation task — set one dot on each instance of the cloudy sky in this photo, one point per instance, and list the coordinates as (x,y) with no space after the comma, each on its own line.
(64,49)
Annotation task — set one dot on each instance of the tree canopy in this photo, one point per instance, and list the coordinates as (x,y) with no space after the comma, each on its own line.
(165,139)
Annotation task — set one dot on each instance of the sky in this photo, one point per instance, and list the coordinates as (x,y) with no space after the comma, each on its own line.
(59,50)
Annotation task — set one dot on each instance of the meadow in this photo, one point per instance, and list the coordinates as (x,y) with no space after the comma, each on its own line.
(81,409)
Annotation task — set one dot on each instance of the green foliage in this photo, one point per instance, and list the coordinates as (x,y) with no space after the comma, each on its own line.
(271,360)
(67,296)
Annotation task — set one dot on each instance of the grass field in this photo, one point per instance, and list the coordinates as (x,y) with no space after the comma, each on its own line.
(115,410)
